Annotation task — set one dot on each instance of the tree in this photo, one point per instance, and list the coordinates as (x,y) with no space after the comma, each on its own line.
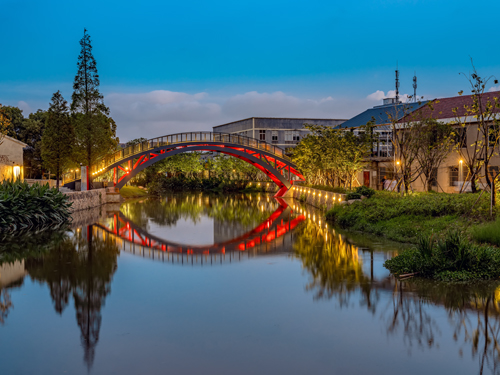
(31,134)
(435,141)
(16,119)
(483,108)
(59,136)
(95,131)
(4,124)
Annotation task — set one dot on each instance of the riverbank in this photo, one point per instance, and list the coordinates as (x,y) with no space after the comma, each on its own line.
(405,219)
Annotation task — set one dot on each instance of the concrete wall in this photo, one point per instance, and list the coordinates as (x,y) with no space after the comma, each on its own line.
(11,154)
(316,198)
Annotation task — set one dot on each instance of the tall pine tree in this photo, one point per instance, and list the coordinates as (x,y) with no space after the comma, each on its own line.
(58,138)
(95,131)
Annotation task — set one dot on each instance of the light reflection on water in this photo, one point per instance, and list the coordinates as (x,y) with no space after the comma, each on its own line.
(270,289)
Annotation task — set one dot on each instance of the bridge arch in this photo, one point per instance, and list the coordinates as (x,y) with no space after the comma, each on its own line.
(268,158)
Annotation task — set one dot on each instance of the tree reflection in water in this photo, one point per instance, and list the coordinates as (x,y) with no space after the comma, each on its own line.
(473,309)
(248,210)
(81,266)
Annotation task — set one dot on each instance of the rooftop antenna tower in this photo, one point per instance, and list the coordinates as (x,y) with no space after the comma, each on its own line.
(415,87)
(397,84)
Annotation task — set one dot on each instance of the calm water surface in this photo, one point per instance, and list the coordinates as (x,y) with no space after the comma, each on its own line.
(196,284)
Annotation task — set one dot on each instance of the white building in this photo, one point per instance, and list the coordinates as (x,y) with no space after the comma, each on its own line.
(11,159)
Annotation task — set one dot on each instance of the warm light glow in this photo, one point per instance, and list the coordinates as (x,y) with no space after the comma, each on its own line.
(461,161)
(397,162)
(17,172)
(72,170)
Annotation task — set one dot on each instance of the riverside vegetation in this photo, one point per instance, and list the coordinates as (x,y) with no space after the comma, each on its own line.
(31,207)
(452,233)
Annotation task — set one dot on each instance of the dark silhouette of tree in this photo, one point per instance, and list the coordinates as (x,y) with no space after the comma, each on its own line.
(58,137)
(95,130)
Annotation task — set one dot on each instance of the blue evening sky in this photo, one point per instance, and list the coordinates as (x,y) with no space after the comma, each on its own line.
(169,66)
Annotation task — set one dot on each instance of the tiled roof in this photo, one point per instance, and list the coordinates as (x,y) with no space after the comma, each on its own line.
(381,114)
(443,108)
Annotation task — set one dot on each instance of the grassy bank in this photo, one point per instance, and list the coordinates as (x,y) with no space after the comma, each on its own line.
(404,219)
(133,192)
(452,258)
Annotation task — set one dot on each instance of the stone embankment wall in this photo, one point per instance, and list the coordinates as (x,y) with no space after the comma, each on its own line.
(317,198)
(84,200)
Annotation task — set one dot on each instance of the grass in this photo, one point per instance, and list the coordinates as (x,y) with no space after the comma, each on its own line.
(451,258)
(133,192)
(404,219)
(487,232)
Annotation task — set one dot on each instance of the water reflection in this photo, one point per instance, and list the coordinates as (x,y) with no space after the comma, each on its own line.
(80,266)
(342,269)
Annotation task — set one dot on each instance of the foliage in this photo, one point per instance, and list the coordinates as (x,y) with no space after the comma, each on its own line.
(28,130)
(95,131)
(302,198)
(58,138)
(484,108)
(4,123)
(452,258)
(353,195)
(435,141)
(402,218)
(30,207)
(333,156)
(135,141)
(163,184)
(365,191)
(132,192)
(487,232)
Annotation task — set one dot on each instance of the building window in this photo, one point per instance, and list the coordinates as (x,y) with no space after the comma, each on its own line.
(275,136)
(296,136)
(262,135)
(453,176)
(288,136)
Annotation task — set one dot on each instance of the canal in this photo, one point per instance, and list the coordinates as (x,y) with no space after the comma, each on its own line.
(230,284)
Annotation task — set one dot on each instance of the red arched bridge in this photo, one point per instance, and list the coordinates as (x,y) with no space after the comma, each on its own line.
(126,163)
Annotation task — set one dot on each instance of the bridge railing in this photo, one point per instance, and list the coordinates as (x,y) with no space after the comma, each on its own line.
(179,138)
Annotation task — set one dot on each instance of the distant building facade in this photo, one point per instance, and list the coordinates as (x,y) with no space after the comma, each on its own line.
(281,132)
(11,159)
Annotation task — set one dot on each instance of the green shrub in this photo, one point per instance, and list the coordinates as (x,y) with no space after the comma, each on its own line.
(353,195)
(452,258)
(302,198)
(366,191)
(487,233)
(31,207)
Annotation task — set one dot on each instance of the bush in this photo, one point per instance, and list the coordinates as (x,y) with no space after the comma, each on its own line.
(452,258)
(31,207)
(353,195)
(302,198)
(366,191)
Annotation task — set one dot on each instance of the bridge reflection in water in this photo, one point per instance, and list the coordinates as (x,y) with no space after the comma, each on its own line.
(274,234)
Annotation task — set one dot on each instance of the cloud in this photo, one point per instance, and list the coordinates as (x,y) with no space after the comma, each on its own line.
(379,95)
(23,106)
(494,88)
(162,112)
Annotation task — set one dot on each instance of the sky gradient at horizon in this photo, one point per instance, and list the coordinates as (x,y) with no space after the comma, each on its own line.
(170,66)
